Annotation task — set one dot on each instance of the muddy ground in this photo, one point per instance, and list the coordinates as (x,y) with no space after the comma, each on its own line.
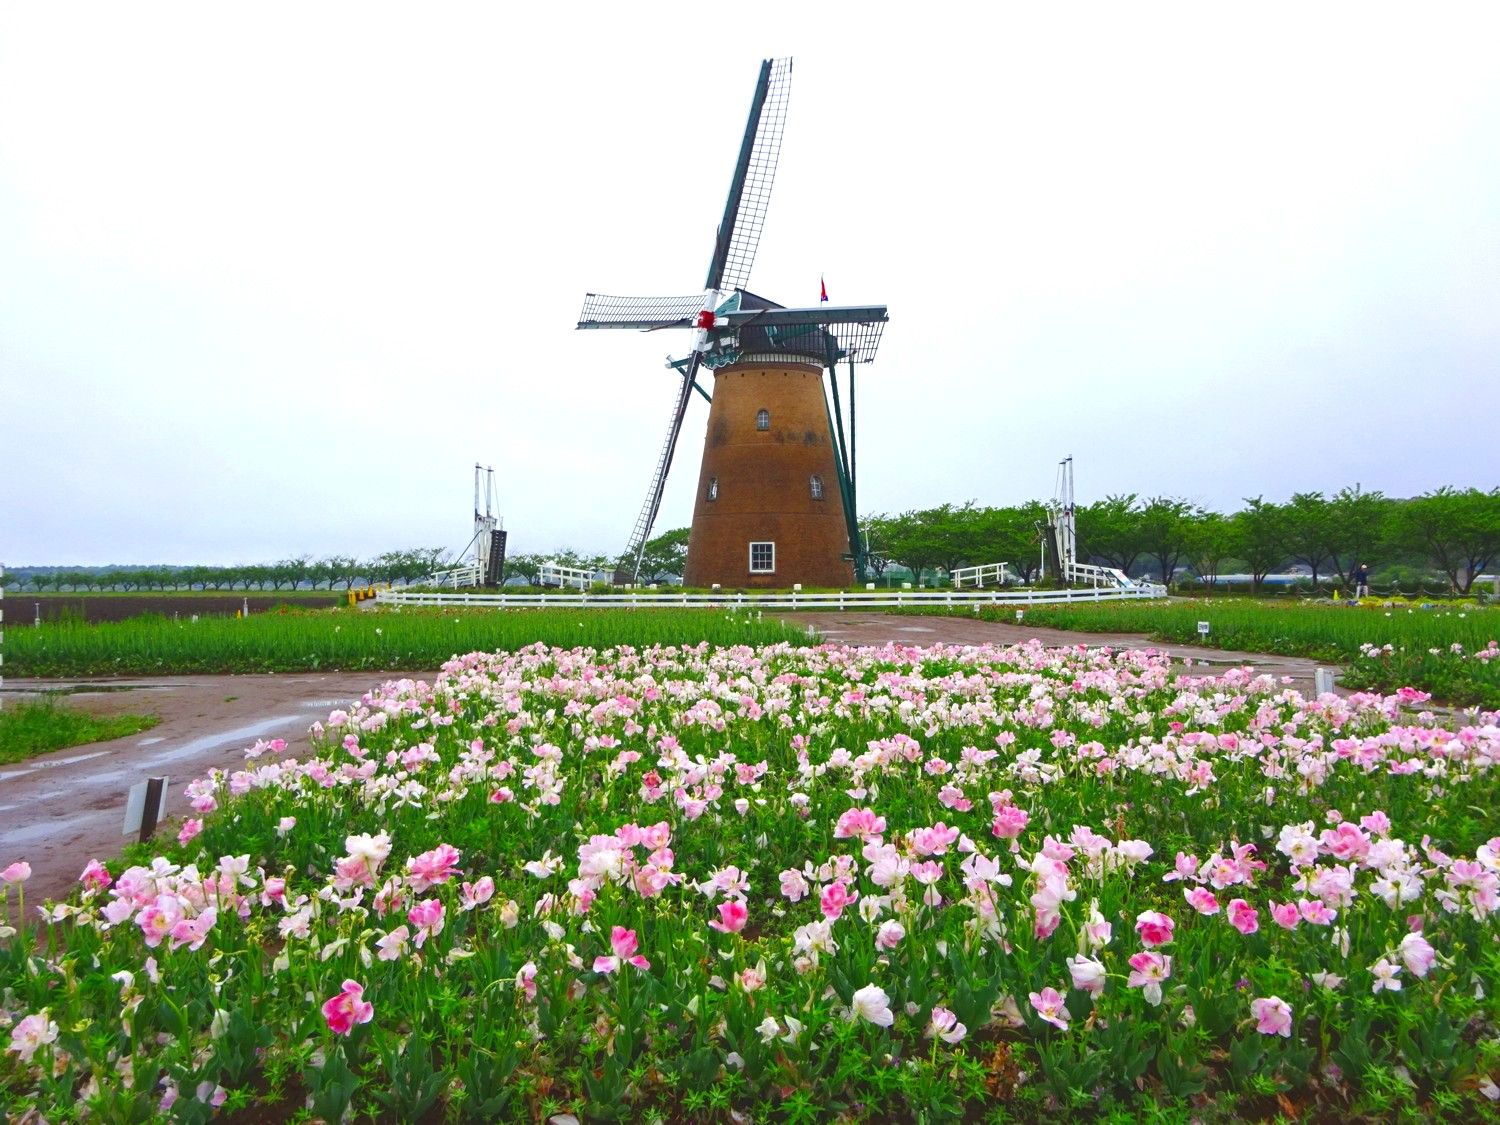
(61,809)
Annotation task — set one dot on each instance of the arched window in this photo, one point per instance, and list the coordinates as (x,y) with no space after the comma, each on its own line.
(713,488)
(815,483)
(762,419)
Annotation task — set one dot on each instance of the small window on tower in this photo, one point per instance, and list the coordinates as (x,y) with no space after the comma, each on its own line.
(762,419)
(816,484)
(762,558)
(713,488)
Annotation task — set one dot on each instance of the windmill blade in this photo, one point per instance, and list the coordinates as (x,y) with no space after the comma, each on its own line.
(819,314)
(754,173)
(647,517)
(646,313)
(845,334)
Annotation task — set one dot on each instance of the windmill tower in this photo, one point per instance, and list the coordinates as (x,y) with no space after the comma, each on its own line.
(776,487)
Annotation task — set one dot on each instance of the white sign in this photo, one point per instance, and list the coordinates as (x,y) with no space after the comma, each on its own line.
(1323,680)
(135,806)
(1203,628)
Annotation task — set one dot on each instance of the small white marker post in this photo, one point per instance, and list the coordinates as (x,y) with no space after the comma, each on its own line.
(1323,680)
(145,807)
(1203,628)
(1020,616)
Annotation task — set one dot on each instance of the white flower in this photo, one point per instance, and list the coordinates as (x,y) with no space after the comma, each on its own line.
(769,1029)
(871,1003)
(372,849)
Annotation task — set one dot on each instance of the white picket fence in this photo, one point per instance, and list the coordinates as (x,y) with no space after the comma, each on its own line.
(976,576)
(837,600)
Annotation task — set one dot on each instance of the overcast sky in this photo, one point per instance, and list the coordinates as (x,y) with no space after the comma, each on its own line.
(273,279)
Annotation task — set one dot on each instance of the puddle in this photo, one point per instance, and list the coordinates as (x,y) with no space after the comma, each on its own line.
(151,741)
(47,765)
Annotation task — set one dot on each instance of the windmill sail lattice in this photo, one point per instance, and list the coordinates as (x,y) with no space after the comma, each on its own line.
(754,174)
(629,567)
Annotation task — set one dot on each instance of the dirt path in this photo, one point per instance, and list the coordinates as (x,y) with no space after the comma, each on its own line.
(61,809)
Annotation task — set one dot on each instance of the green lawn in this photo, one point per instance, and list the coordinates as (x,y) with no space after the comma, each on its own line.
(28,729)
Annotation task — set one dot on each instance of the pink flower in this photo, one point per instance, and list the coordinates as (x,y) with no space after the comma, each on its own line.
(95,877)
(1286,914)
(393,945)
(1147,972)
(17,872)
(834,898)
(1243,917)
(732,917)
(427,916)
(624,943)
(348,1008)
(793,885)
(862,823)
(1418,954)
(193,932)
(478,893)
(1273,1016)
(1088,974)
(158,918)
(1009,822)
(1316,911)
(33,1032)
(432,868)
(190,828)
(1155,929)
(1202,900)
(889,935)
(526,980)
(945,1026)
(1049,1005)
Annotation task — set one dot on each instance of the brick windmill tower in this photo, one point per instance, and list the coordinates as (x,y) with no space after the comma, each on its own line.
(776,487)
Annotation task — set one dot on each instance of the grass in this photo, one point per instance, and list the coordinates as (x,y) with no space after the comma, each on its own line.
(31,728)
(1324,632)
(350,640)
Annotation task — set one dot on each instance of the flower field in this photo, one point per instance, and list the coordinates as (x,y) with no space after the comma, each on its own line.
(794,884)
(1452,651)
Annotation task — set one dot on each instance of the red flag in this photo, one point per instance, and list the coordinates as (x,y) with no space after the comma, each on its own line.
(824,287)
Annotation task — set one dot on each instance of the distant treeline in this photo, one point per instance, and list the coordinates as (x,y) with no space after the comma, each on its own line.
(301,573)
(1452,533)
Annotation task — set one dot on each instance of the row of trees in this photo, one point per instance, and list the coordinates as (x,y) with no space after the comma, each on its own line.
(301,573)
(1453,532)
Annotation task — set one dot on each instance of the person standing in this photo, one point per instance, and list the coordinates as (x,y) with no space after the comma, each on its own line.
(1362,581)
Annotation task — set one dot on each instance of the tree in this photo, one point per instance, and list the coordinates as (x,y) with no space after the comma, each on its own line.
(1258,528)
(528,567)
(1307,531)
(665,556)
(1459,531)
(1163,527)
(912,544)
(1010,535)
(1210,539)
(1359,529)
(1109,530)
(877,544)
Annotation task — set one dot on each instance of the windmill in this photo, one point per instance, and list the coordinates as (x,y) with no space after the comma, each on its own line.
(776,489)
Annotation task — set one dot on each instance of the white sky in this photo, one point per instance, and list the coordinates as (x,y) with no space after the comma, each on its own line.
(272,279)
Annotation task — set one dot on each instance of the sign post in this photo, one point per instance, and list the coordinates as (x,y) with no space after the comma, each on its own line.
(145,807)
